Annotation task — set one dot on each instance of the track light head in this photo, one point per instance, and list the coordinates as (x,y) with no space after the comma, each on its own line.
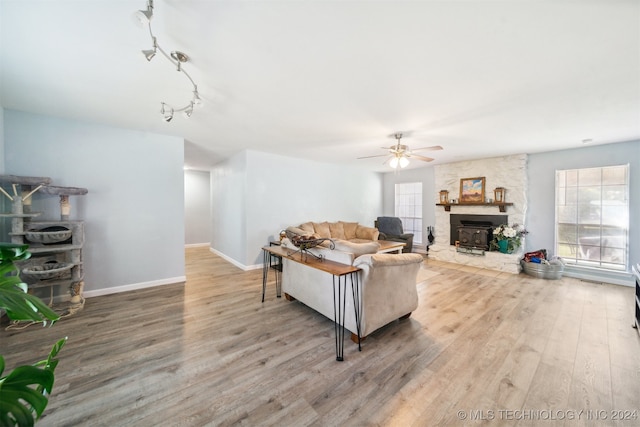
(188,110)
(167,113)
(144,16)
(149,54)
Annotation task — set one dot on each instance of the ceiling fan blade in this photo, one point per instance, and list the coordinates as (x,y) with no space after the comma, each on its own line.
(432,148)
(368,157)
(423,158)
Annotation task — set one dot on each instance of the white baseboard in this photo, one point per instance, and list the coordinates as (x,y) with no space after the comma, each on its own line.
(134,286)
(197,245)
(231,260)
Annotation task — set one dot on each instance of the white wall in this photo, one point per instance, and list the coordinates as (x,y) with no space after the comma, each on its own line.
(197,207)
(268,192)
(133,212)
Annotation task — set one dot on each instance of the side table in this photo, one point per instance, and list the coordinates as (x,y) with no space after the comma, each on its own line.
(273,261)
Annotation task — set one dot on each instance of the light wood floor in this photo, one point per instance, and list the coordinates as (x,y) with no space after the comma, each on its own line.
(482,349)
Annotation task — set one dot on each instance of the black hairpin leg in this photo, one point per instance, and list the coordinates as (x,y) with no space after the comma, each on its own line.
(339,301)
(355,290)
(266,262)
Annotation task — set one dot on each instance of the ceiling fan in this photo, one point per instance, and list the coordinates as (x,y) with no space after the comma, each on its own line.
(399,154)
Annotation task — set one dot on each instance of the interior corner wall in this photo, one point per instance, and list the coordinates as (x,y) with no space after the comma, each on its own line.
(228,217)
(268,192)
(134,209)
(197,207)
(426,176)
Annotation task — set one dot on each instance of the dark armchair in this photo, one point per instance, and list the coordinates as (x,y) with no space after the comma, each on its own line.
(390,228)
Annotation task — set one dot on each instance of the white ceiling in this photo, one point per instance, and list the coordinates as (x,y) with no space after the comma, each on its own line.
(331,80)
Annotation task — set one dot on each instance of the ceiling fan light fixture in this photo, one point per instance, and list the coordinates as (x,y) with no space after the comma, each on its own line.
(394,163)
(404,162)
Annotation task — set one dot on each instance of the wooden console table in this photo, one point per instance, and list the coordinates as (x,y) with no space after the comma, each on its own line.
(340,273)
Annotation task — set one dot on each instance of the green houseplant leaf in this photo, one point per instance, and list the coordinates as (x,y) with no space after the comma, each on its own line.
(24,391)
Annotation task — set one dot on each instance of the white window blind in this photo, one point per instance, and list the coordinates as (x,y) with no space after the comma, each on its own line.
(592,216)
(408,207)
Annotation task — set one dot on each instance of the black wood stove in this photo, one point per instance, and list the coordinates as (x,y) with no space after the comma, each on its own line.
(475,234)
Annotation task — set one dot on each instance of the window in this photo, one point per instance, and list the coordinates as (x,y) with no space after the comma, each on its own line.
(592,216)
(409,208)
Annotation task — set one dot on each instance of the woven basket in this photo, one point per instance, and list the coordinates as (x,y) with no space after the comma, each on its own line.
(48,270)
(49,235)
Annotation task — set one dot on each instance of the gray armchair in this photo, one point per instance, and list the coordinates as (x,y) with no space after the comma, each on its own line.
(390,228)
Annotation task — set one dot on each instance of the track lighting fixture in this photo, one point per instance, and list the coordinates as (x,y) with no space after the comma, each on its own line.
(176,57)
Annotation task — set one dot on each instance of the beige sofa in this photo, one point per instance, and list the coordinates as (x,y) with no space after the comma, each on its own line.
(339,230)
(387,283)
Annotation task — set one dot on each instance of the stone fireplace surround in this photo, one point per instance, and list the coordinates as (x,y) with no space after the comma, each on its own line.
(509,172)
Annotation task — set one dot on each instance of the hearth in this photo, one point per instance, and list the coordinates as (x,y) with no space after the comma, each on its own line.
(474,231)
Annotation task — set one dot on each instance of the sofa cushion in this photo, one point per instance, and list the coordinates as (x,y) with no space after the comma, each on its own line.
(337,230)
(368,233)
(308,227)
(357,249)
(322,229)
(349,229)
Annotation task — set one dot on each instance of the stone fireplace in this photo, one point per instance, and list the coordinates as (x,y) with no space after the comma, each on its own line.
(509,172)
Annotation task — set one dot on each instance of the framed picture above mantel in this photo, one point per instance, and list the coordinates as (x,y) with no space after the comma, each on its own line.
(472,190)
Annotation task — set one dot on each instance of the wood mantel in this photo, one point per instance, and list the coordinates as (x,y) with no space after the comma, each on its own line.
(501,206)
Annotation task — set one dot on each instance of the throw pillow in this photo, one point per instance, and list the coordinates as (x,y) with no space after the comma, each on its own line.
(322,229)
(349,229)
(369,233)
(337,230)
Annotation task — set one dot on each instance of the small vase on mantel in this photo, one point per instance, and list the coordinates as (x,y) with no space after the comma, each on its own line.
(503,246)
